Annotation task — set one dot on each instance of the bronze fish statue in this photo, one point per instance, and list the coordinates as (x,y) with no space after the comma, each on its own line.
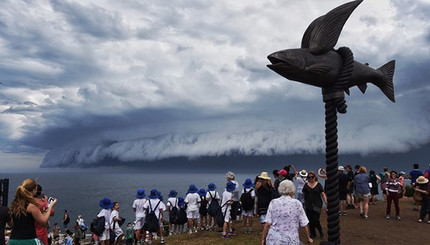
(317,63)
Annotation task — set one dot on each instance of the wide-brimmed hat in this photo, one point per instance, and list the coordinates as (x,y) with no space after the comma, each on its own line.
(202,192)
(106,203)
(303,173)
(422,180)
(248,183)
(173,193)
(340,168)
(140,193)
(181,201)
(192,189)
(230,186)
(154,194)
(264,175)
(283,172)
(211,187)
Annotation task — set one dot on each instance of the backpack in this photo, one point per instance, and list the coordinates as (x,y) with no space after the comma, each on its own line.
(174,214)
(203,206)
(220,215)
(182,216)
(98,225)
(152,224)
(246,200)
(213,206)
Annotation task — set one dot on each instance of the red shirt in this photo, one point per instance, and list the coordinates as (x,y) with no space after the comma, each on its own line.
(42,231)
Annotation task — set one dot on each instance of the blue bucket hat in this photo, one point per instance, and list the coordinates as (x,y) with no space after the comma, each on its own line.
(230,186)
(181,201)
(211,187)
(160,196)
(248,183)
(106,203)
(154,194)
(140,193)
(173,193)
(202,192)
(192,189)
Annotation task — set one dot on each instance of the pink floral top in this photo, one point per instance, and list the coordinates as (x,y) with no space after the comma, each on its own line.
(285,215)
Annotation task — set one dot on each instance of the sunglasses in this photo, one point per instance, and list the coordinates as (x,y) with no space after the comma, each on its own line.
(311,177)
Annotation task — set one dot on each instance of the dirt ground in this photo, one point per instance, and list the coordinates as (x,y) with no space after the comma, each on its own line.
(378,230)
(354,229)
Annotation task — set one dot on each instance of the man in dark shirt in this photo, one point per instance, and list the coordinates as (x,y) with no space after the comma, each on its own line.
(343,189)
(415,173)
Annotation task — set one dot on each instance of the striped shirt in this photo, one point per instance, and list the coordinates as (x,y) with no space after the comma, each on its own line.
(392,185)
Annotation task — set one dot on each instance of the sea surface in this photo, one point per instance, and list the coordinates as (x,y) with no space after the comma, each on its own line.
(79,191)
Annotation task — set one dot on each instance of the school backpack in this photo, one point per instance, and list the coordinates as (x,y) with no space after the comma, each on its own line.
(213,206)
(152,224)
(174,213)
(220,215)
(98,225)
(246,200)
(203,211)
(182,216)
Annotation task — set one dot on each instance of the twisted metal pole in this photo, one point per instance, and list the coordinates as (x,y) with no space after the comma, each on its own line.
(334,100)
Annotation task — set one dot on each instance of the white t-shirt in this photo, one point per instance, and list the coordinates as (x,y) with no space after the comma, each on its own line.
(138,205)
(300,184)
(106,213)
(172,202)
(113,215)
(214,194)
(226,197)
(154,203)
(247,190)
(193,201)
(235,193)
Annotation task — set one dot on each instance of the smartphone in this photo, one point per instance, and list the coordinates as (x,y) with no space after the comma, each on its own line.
(50,199)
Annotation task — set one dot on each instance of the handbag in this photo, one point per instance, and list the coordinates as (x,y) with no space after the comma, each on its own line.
(316,208)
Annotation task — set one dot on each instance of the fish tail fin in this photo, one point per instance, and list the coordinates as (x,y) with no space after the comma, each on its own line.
(388,87)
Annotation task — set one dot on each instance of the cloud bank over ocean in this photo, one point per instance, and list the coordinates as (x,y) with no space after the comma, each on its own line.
(132,81)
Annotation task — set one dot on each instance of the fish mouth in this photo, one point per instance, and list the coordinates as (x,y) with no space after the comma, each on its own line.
(279,63)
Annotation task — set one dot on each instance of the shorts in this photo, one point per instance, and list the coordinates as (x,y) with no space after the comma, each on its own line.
(227,213)
(105,235)
(362,197)
(118,231)
(249,213)
(342,195)
(262,218)
(33,241)
(139,223)
(192,214)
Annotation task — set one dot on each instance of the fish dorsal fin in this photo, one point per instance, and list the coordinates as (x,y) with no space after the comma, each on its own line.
(325,30)
(307,35)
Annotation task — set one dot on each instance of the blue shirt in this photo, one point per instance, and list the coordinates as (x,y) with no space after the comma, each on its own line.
(415,174)
(361,181)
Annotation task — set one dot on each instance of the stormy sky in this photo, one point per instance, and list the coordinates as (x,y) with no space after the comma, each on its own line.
(86,81)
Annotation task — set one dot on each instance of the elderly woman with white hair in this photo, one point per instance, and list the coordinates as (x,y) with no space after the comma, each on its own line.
(284,217)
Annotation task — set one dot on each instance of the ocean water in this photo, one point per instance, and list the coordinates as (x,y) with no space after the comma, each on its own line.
(79,192)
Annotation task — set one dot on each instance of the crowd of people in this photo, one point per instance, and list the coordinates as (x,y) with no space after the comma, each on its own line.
(291,200)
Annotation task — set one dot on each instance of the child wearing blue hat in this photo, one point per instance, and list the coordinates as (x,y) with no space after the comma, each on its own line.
(213,197)
(203,210)
(172,202)
(226,203)
(248,202)
(192,199)
(157,206)
(106,204)
(139,212)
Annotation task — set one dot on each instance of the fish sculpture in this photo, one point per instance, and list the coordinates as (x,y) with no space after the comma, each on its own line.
(317,63)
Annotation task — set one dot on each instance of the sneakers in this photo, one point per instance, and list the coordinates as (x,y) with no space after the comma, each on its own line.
(170,233)
(162,241)
(190,231)
(345,213)
(387,217)
(420,220)
(366,217)
(225,236)
(361,213)
(398,217)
